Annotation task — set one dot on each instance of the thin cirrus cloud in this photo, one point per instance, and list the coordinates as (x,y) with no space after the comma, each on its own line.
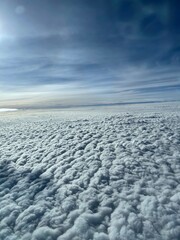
(56,53)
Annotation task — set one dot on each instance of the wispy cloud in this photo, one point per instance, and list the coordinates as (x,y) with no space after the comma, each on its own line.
(107,57)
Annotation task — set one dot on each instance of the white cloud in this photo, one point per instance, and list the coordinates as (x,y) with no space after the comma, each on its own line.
(91,175)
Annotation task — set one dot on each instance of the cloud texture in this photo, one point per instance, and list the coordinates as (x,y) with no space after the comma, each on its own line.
(67,176)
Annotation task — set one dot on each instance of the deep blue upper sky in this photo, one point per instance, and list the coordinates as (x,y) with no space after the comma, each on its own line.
(80,52)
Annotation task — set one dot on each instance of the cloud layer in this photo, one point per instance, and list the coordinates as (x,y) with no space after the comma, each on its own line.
(66,176)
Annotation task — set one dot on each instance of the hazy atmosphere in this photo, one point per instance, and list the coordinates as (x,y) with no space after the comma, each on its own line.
(87,52)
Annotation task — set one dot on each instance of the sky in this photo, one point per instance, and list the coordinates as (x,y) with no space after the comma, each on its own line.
(58,53)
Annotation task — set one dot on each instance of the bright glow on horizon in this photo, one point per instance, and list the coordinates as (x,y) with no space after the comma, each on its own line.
(8,109)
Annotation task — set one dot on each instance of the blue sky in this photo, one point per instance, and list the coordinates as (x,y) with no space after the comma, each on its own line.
(83,52)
